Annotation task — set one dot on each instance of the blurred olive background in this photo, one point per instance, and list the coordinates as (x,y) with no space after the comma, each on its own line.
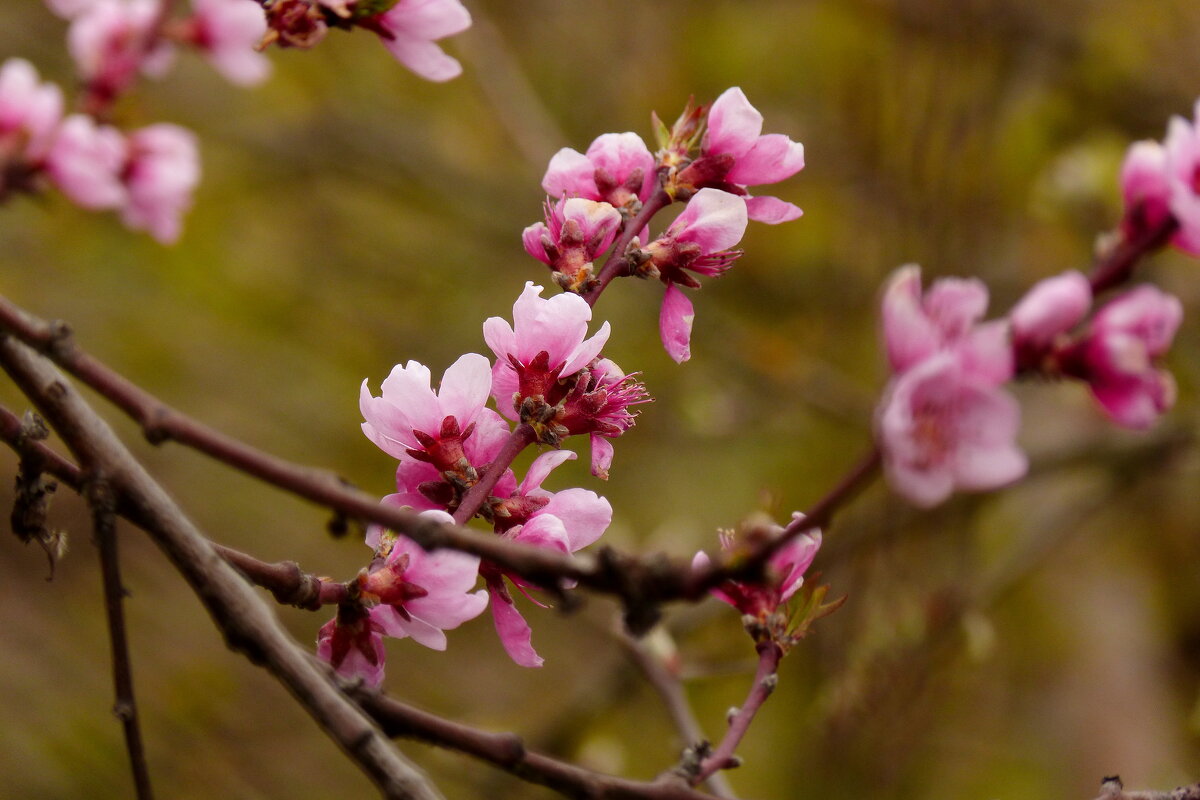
(1017,645)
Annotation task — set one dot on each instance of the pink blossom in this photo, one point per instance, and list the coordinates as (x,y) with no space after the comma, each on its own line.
(576,232)
(566,521)
(1145,189)
(108,40)
(410,416)
(1042,319)
(410,28)
(546,342)
(421,485)
(699,240)
(1159,182)
(421,594)
(30,111)
(917,324)
(1117,357)
(617,169)
(943,427)
(734,154)
(352,643)
(161,172)
(599,404)
(86,161)
(1183,168)
(227,32)
(785,573)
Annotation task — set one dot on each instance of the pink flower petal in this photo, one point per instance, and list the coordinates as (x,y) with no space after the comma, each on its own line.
(513,631)
(675,324)
(771,210)
(771,159)
(733,124)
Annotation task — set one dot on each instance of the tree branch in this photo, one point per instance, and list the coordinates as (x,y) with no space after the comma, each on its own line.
(1113,789)
(104,524)
(247,622)
(765,679)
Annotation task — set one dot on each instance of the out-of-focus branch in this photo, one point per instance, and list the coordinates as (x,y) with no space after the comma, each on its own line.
(247,622)
(104,524)
(1113,789)
(507,751)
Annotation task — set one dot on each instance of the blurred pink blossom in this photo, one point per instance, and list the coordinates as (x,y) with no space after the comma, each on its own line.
(227,32)
(160,174)
(86,162)
(110,41)
(30,112)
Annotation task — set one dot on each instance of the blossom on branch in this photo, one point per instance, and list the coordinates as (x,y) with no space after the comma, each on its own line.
(700,240)
(112,41)
(227,31)
(1119,354)
(945,423)
(30,112)
(565,521)
(86,161)
(784,571)
(576,232)
(617,169)
(1159,184)
(734,154)
(161,171)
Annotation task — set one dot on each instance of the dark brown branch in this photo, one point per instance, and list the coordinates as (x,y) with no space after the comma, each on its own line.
(247,622)
(104,524)
(507,751)
(1115,266)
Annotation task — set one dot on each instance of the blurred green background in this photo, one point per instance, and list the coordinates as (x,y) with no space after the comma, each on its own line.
(1016,645)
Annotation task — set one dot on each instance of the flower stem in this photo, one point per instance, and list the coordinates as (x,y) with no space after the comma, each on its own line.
(769,655)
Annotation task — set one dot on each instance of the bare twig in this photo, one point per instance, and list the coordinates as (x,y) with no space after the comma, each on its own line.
(104,524)
(247,622)
(1113,789)
(765,679)
(664,679)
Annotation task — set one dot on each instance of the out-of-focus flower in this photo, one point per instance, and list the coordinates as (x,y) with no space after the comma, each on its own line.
(1118,356)
(111,41)
(617,169)
(942,427)
(411,28)
(86,162)
(918,324)
(30,112)
(160,174)
(227,31)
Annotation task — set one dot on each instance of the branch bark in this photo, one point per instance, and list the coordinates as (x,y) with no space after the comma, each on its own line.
(247,622)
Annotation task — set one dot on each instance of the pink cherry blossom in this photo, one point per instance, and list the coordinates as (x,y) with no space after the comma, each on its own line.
(1159,183)
(734,154)
(30,111)
(1118,356)
(599,404)
(161,172)
(352,643)
(108,40)
(617,169)
(227,32)
(917,324)
(546,342)
(943,427)
(1043,317)
(421,594)
(566,521)
(410,29)
(699,240)
(409,412)
(1145,188)
(421,485)
(86,161)
(785,574)
(575,233)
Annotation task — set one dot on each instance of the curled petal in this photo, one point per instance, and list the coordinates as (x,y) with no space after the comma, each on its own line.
(771,210)
(675,324)
(512,629)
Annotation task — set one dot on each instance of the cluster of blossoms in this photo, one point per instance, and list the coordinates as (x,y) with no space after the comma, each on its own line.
(148,175)
(946,424)
(706,160)
(548,375)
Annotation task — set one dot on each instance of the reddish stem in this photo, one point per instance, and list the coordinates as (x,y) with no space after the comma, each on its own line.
(522,436)
(617,264)
(769,655)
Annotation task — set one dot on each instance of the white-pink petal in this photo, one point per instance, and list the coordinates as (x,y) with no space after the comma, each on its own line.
(675,324)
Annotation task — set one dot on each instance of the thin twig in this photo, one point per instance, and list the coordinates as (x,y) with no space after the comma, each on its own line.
(765,679)
(666,683)
(104,524)
(247,622)
(617,264)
